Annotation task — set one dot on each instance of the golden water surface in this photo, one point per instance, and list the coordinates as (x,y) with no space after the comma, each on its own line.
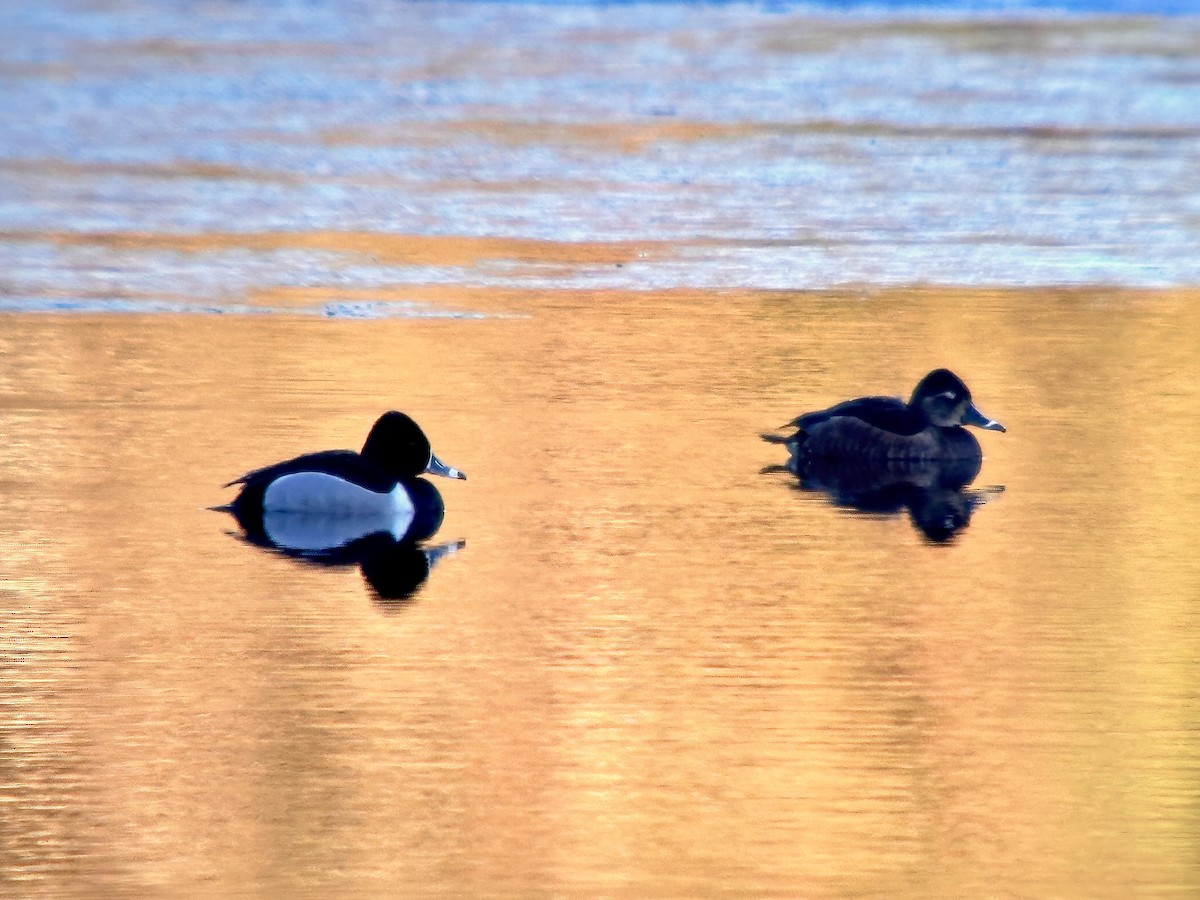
(654,670)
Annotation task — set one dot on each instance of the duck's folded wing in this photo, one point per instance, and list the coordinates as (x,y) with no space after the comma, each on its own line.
(853,437)
(886,413)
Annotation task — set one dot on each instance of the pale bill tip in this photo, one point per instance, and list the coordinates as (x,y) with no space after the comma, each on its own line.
(437,467)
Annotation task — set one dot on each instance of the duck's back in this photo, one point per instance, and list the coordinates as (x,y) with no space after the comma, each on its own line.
(889,414)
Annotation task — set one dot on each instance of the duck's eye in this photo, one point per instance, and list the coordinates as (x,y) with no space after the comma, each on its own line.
(948,395)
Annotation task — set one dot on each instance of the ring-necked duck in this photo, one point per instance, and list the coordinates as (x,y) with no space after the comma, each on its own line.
(328,499)
(927,427)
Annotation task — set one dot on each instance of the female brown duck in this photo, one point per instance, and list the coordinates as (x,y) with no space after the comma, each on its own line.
(870,429)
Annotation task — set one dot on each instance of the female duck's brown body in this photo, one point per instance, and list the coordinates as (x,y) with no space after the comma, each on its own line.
(929,427)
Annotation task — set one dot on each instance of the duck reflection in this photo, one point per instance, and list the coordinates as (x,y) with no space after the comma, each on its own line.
(394,568)
(934,493)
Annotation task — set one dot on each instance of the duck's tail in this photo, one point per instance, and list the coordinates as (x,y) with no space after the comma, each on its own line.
(783,439)
(776,470)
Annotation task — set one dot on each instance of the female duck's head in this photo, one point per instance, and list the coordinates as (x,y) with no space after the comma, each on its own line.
(946,402)
(397,445)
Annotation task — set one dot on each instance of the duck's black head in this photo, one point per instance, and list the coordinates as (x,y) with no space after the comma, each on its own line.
(945,401)
(398,445)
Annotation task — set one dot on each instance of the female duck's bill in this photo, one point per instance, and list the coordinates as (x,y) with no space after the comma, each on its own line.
(972,416)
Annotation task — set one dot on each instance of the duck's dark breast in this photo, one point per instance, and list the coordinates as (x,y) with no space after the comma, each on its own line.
(958,444)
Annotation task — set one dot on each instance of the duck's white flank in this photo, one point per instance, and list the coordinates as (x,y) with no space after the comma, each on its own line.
(315,511)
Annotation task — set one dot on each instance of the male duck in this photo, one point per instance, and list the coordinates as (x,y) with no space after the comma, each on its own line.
(323,500)
(876,429)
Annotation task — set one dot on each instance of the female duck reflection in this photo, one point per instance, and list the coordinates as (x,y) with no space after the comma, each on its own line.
(882,455)
(338,507)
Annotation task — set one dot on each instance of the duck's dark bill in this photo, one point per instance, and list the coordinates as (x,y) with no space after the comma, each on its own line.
(437,467)
(974,417)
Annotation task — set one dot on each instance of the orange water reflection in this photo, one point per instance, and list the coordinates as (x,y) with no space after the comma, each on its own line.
(653,671)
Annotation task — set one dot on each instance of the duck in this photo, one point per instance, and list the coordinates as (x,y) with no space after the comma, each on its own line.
(320,501)
(928,428)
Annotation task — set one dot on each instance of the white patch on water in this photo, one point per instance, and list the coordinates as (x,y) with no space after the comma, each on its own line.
(330,310)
